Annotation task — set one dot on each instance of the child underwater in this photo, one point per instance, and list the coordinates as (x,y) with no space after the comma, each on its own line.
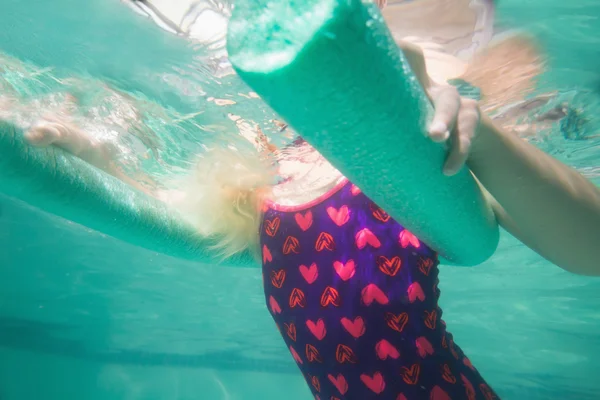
(353,293)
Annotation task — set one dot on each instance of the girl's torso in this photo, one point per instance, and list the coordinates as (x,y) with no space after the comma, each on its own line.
(355,298)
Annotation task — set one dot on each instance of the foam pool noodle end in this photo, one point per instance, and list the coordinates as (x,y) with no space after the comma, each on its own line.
(333,71)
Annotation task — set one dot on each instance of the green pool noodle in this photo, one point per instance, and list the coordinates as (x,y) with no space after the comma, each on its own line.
(64,185)
(333,71)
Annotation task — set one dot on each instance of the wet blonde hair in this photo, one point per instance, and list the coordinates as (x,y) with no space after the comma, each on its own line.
(225,197)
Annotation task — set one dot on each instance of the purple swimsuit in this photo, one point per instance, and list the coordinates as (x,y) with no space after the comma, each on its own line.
(355,298)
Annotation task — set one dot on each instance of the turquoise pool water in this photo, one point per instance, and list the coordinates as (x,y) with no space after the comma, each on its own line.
(84,316)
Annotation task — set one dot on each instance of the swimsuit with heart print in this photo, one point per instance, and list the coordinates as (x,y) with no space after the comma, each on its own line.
(355,298)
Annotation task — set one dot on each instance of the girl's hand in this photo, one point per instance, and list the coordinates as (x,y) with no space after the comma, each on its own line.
(456,119)
(455,122)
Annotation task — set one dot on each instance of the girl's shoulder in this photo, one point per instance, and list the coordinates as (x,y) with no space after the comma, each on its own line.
(301,196)
(307,179)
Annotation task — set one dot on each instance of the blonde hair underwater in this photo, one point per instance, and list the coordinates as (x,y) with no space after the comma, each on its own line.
(225,196)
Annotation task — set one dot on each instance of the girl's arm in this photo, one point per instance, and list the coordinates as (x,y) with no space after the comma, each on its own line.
(548,206)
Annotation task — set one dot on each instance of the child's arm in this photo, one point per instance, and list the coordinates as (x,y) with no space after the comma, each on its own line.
(550,207)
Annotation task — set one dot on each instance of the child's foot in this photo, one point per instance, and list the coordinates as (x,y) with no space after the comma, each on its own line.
(51,132)
(44,134)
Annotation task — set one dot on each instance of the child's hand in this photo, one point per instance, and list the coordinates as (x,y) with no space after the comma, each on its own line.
(455,122)
(456,119)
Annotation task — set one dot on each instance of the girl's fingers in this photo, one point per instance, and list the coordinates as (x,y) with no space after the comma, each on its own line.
(381,3)
(466,129)
(447,103)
